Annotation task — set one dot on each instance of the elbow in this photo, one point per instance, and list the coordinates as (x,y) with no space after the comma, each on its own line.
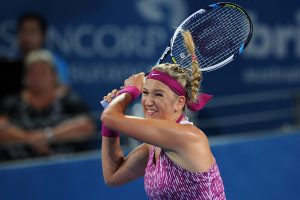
(110,182)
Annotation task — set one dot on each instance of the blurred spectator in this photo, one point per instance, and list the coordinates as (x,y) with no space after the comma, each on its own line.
(44,117)
(32,35)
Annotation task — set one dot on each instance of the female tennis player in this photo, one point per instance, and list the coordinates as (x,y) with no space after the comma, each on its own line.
(175,158)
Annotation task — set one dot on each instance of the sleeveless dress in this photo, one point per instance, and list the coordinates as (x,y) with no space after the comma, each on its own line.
(165,180)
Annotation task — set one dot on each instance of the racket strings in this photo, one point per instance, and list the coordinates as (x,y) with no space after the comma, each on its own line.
(214,44)
(232,25)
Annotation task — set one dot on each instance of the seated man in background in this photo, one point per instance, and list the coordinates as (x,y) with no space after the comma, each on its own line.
(45,116)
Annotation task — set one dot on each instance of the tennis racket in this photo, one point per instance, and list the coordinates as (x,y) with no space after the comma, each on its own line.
(220,33)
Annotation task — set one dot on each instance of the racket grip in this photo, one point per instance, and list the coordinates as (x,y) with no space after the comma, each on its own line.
(132,90)
(104,103)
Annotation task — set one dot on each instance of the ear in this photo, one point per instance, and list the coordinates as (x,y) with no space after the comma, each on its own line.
(179,105)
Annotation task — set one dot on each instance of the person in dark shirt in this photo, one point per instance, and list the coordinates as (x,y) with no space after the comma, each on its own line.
(44,113)
(31,35)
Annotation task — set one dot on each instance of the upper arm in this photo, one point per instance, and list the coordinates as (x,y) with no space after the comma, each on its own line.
(132,167)
(162,133)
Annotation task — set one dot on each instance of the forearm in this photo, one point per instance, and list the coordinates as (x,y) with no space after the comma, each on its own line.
(115,109)
(10,133)
(112,158)
(118,169)
(78,128)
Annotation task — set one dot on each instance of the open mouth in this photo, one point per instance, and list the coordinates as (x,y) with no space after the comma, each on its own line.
(149,112)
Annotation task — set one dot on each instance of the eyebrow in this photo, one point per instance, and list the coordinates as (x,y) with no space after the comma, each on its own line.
(156,90)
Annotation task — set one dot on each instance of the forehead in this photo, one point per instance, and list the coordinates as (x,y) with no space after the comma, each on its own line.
(30,23)
(151,84)
(39,64)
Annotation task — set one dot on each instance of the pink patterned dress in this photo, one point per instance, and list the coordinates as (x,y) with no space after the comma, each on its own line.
(167,180)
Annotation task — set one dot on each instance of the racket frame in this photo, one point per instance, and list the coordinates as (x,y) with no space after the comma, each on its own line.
(169,48)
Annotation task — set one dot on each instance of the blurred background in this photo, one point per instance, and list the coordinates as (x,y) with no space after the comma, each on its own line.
(252,122)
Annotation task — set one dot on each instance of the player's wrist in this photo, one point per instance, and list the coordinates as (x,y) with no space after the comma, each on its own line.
(133,91)
(106,132)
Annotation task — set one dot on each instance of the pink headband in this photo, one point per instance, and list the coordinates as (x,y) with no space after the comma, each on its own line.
(173,84)
(167,80)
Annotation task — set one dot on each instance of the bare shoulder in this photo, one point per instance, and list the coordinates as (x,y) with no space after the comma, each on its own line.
(196,155)
(200,143)
(195,134)
(194,142)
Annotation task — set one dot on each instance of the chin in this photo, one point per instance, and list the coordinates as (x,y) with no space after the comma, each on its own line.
(151,116)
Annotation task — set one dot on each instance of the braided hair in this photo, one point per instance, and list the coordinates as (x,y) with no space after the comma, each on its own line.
(191,82)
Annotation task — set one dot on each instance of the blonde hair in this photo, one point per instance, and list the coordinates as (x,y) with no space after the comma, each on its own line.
(191,83)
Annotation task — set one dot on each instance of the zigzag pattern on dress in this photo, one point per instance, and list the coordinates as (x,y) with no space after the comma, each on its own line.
(165,180)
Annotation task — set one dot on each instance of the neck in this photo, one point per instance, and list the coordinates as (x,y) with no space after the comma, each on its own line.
(178,117)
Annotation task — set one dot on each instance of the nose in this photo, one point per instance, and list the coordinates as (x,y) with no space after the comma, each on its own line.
(148,100)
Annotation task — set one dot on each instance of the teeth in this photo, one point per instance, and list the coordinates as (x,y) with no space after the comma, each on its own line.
(150,112)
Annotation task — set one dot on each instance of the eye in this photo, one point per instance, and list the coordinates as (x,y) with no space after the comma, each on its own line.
(158,94)
(145,92)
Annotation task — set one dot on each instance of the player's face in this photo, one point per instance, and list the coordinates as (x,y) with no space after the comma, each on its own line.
(158,100)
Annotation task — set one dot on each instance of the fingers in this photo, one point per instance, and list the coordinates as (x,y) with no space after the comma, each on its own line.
(113,93)
(133,80)
(110,95)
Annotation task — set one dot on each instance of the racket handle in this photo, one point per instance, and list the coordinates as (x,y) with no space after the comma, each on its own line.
(104,103)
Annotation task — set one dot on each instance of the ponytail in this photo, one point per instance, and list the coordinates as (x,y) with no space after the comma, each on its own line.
(196,75)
